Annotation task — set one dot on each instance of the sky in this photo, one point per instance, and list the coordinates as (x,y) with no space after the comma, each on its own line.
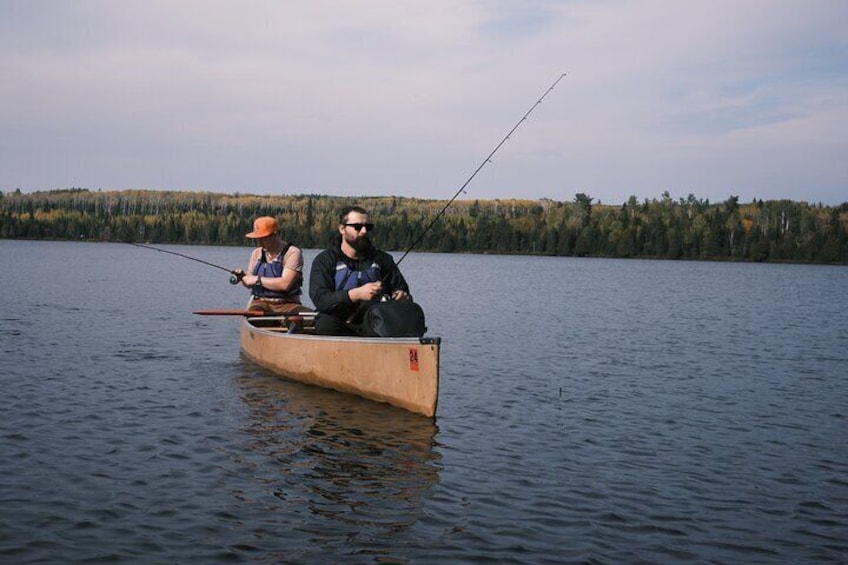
(744,98)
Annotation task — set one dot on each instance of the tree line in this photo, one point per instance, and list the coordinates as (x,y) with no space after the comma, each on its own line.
(690,228)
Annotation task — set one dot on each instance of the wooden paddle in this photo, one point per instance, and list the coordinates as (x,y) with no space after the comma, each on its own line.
(231,312)
(252,313)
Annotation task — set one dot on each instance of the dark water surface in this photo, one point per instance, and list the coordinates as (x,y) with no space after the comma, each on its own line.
(591,411)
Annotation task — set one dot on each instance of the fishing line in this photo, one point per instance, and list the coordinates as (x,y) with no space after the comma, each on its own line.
(462,189)
(235,278)
(483,164)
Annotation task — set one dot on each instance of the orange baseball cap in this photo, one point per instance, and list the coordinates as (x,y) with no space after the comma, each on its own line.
(263,227)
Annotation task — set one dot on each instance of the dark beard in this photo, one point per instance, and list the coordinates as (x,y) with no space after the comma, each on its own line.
(362,245)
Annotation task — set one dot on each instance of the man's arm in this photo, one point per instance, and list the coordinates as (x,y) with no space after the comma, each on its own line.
(394,282)
(322,286)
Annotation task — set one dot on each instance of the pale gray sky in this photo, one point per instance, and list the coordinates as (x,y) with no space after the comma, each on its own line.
(742,97)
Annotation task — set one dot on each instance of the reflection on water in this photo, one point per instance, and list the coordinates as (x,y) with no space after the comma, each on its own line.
(355,471)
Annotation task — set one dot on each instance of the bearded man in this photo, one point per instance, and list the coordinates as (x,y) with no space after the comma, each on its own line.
(350,276)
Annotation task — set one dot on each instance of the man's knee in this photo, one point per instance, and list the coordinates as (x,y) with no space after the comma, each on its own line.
(330,325)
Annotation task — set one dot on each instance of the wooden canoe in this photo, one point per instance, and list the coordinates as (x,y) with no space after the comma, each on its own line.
(403,372)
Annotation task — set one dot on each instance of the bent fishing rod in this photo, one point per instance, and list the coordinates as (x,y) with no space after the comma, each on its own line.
(474,174)
(236,277)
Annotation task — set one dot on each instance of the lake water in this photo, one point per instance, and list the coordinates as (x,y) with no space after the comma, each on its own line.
(591,411)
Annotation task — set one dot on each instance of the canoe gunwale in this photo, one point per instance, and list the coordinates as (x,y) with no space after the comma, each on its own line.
(350,339)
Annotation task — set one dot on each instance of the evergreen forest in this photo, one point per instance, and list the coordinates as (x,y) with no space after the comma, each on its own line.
(664,228)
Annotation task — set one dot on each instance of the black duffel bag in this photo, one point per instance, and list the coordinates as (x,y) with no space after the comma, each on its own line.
(394,318)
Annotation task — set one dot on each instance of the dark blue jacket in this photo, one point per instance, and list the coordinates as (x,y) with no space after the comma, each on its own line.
(332,267)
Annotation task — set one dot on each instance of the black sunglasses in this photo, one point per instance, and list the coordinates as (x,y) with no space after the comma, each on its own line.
(358,227)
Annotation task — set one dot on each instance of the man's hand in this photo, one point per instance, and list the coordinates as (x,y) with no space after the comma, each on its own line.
(368,291)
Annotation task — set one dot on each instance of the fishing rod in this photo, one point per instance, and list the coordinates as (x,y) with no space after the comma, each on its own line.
(474,174)
(234,279)
(462,189)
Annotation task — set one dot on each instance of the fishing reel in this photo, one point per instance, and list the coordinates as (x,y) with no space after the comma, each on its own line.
(236,276)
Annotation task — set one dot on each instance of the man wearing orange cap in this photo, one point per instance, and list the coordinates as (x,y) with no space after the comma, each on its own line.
(275,272)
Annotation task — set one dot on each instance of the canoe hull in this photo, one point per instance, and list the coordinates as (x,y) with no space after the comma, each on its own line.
(403,372)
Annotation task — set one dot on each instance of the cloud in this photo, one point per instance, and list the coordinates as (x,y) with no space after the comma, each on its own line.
(407,98)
